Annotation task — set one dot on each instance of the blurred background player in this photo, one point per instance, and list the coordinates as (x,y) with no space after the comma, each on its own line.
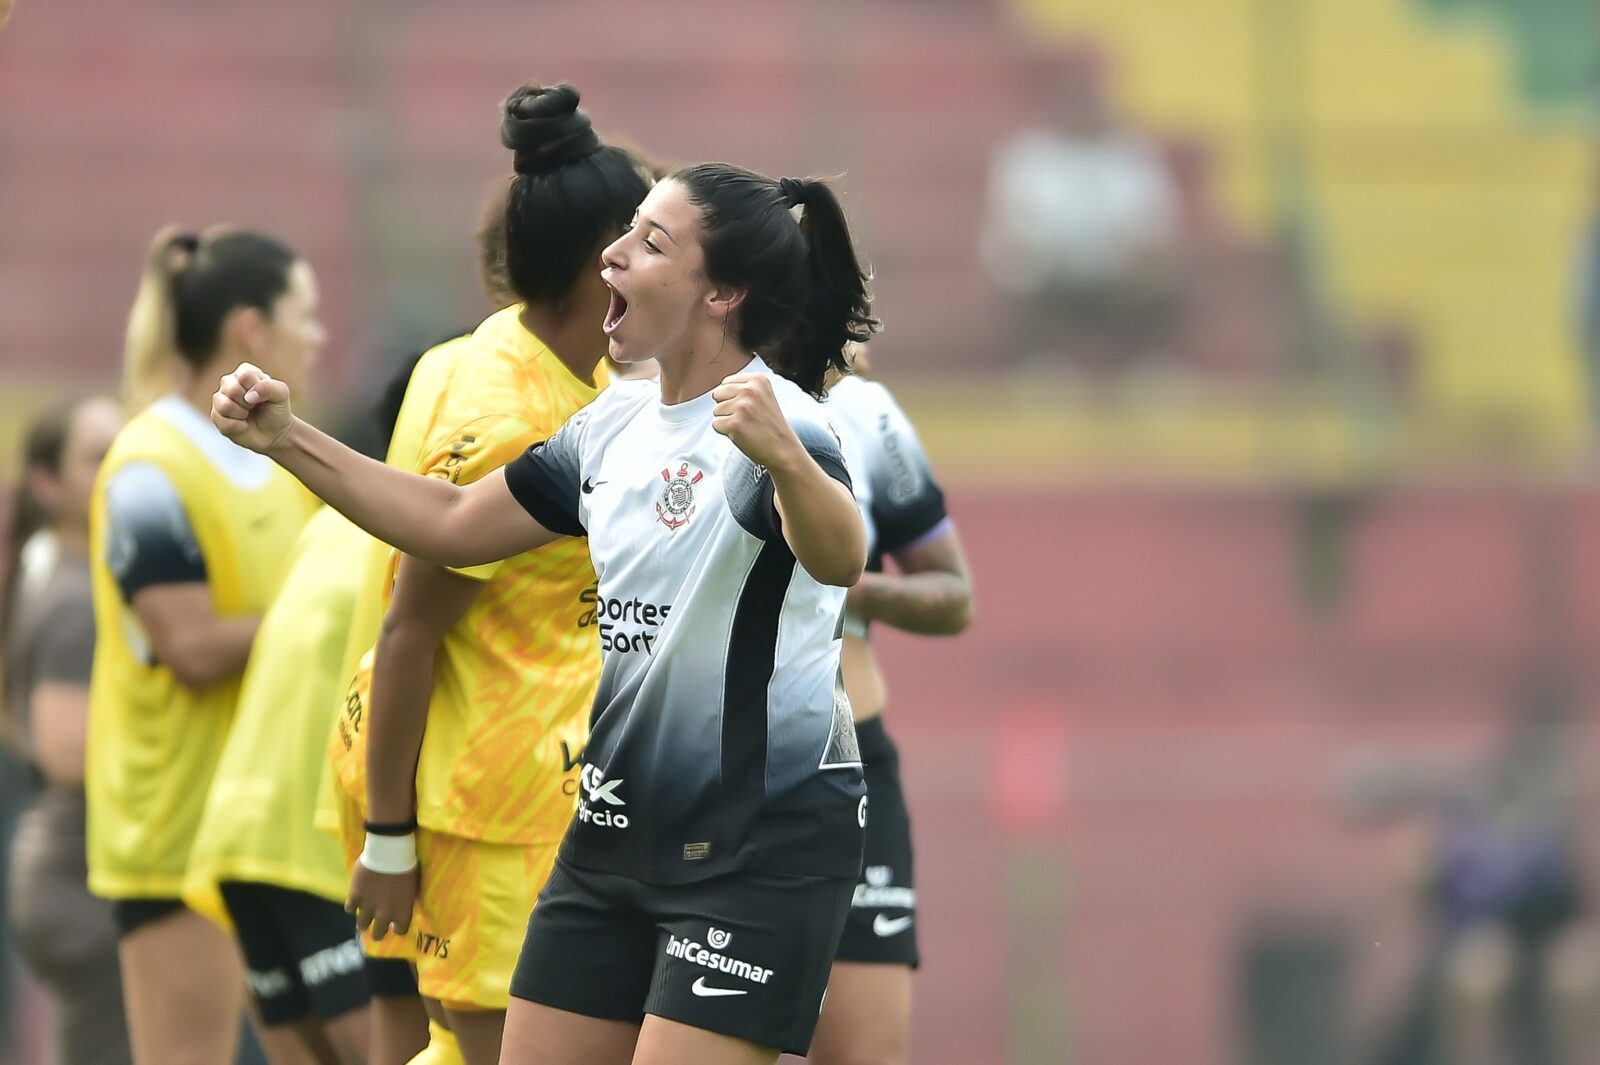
(258,862)
(1509,970)
(470,718)
(66,935)
(258,858)
(867,1015)
(189,536)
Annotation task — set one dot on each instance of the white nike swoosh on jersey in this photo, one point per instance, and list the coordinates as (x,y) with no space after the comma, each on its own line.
(885,925)
(703,991)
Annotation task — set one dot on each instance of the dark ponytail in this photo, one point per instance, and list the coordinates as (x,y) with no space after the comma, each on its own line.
(43,448)
(189,285)
(806,293)
(570,197)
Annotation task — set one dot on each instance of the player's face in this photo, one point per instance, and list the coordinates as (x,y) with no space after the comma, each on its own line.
(65,493)
(294,334)
(657,278)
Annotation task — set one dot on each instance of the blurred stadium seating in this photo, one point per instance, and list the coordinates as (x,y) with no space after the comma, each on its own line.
(1353,519)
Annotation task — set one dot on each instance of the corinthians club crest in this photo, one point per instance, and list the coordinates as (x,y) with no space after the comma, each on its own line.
(676,504)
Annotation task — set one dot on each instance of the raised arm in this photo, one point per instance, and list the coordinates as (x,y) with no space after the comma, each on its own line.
(422,516)
(820,520)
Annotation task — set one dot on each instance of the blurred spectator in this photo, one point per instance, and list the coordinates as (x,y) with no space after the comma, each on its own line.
(1083,221)
(1508,975)
(16,790)
(65,934)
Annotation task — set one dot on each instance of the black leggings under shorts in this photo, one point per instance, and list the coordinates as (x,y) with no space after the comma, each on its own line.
(882,926)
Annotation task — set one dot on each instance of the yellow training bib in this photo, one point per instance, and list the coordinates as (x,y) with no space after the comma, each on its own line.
(153,744)
(258,822)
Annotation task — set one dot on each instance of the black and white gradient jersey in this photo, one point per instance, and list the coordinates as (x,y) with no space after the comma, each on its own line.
(892,480)
(721,737)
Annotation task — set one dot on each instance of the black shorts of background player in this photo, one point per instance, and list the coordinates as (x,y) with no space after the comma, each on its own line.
(917,581)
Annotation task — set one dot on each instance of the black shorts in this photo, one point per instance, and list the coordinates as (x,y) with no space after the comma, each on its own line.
(130,915)
(300,952)
(882,926)
(746,954)
(390,977)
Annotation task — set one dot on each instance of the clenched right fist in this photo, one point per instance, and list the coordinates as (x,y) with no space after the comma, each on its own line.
(252,409)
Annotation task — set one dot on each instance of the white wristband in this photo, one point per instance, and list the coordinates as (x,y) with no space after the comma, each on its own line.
(390,855)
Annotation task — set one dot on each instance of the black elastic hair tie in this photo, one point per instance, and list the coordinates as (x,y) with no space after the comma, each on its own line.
(794,190)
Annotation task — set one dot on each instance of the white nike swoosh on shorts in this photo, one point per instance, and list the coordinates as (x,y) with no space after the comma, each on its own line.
(886,926)
(703,991)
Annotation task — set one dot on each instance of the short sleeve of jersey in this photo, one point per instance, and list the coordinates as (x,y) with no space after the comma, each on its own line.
(470,452)
(755,507)
(907,503)
(64,652)
(544,479)
(149,540)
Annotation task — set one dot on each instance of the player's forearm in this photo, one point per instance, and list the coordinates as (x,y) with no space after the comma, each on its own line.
(402,509)
(929,604)
(820,522)
(402,688)
(208,651)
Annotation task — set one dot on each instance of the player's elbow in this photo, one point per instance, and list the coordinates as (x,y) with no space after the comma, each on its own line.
(840,568)
(953,619)
(846,576)
(194,663)
(961,610)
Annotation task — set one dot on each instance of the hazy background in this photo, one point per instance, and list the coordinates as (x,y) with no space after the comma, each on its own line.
(1253,340)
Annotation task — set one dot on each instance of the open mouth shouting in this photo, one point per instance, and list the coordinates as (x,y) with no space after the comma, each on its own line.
(617,311)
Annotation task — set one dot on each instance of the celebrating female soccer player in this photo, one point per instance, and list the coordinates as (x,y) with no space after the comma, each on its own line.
(466,723)
(47,630)
(695,908)
(867,1017)
(189,533)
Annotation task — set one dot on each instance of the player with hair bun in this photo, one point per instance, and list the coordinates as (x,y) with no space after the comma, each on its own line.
(458,747)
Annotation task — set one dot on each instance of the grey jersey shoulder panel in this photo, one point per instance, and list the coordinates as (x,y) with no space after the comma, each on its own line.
(149,539)
(895,487)
(901,496)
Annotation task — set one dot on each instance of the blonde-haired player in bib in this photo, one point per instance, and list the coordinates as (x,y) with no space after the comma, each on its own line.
(189,536)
